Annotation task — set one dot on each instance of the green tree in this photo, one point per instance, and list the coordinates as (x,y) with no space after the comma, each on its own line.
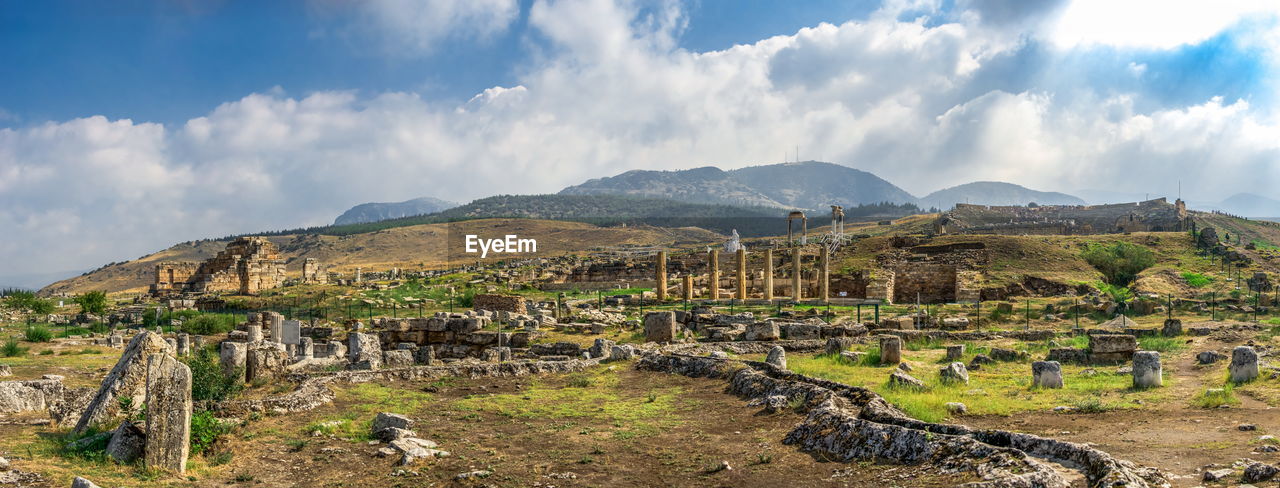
(1119,263)
(94,302)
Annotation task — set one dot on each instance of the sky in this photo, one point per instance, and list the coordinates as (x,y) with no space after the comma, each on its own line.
(128,126)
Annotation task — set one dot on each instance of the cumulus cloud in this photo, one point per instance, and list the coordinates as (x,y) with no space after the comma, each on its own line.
(924,98)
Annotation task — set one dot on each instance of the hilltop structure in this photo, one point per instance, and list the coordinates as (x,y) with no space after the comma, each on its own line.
(1156,215)
(247,266)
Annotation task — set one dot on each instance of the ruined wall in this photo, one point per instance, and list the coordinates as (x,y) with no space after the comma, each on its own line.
(247,266)
(312,272)
(172,277)
(931,283)
(1149,216)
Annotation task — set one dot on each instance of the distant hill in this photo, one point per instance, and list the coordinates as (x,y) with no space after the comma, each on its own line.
(809,185)
(373,212)
(1251,205)
(994,193)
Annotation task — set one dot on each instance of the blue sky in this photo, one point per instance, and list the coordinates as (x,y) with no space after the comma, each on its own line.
(126,126)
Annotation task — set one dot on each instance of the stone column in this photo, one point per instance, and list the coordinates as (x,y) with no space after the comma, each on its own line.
(687,292)
(824,274)
(768,274)
(714,287)
(1147,372)
(254,332)
(796,292)
(742,274)
(661,286)
(168,413)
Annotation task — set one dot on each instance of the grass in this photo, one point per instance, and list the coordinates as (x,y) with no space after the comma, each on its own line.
(1161,344)
(1001,389)
(364,401)
(38,333)
(1214,398)
(11,349)
(1196,280)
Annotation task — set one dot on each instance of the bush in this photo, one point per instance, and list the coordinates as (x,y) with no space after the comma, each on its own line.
(12,349)
(94,302)
(208,325)
(208,381)
(1196,280)
(38,333)
(1121,262)
(27,300)
(206,430)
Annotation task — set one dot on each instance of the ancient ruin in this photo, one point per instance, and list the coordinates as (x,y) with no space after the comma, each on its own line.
(1149,216)
(247,266)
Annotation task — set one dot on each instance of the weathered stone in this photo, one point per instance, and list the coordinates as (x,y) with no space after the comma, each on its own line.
(424,355)
(1217,474)
(622,352)
(1244,364)
(306,348)
(718,355)
(954,373)
(168,413)
(1000,354)
(79,482)
(762,331)
(955,352)
(127,443)
(1172,328)
(900,379)
(956,408)
(184,344)
(364,351)
(265,361)
(854,357)
(1259,472)
(660,327)
(1209,357)
(836,345)
(1147,372)
(1046,374)
(775,403)
(601,348)
(29,395)
(890,349)
(777,357)
(386,420)
(127,379)
(255,332)
(5,370)
(398,358)
(290,332)
(233,358)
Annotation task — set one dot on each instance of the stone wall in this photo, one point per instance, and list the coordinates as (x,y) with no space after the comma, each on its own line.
(247,266)
(1156,215)
(172,277)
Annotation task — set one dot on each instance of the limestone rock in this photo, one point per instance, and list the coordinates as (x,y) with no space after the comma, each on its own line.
(762,331)
(957,408)
(890,349)
(1244,364)
(1172,328)
(777,357)
(265,361)
(1209,357)
(29,395)
(232,358)
(837,345)
(79,482)
(127,443)
(1046,374)
(386,420)
(1000,354)
(660,326)
(1147,372)
(622,352)
(127,379)
(601,348)
(1217,474)
(718,355)
(900,379)
(364,351)
(955,352)
(854,357)
(954,373)
(168,413)
(398,358)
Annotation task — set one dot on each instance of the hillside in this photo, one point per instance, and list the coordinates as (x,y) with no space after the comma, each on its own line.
(373,212)
(809,185)
(994,193)
(410,247)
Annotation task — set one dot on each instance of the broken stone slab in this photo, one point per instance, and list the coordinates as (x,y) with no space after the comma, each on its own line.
(1217,474)
(127,443)
(398,358)
(601,348)
(622,352)
(900,379)
(30,395)
(1209,357)
(168,413)
(1046,374)
(128,378)
(386,420)
(1259,472)
(854,357)
(837,345)
(1244,364)
(1147,372)
(660,327)
(265,361)
(955,352)
(79,482)
(777,357)
(762,331)
(1172,328)
(956,408)
(364,351)
(954,373)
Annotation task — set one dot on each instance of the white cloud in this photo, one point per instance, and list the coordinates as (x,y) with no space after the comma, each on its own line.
(420,25)
(909,100)
(1158,24)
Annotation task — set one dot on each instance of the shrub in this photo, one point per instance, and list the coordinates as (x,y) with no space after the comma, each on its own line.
(1160,344)
(27,300)
(1121,262)
(94,302)
(12,349)
(1092,405)
(205,430)
(38,333)
(208,325)
(208,381)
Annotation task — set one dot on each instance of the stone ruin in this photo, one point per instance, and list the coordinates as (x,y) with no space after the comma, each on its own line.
(312,273)
(1148,216)
(247,266)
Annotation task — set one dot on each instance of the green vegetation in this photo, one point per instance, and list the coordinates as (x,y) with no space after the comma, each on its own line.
(1120,262)
(209,324)
(11,349)
(208,381)
(38,333)
(1161,344)
(206,430)
(1216,397)
(28,301)
(1196,280)
(94,302)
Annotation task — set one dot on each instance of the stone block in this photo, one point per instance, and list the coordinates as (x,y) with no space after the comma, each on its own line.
(836,345)
(291,332)
(762,331)
(127,378)
(364,350)
(1244,364)
(398,358)
(168,413)
(1046,374)
(777,357)
(955,352)
(1147,372)
(233,357)
(265,361)
(660,327)
(890,349)
(127,443)
(954,373)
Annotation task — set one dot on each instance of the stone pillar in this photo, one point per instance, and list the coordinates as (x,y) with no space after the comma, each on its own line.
(955,352)
(824,274)
(1244,364)
(687,290)
(661,285)
(1046,374)
(233,359)
(890,349)
(768,274)
(742,274)
(277,327)
(660,327)
(796,291)
(306,348)
(255,332)
(1147,370)
(714,288)
(168,413)
(184,344)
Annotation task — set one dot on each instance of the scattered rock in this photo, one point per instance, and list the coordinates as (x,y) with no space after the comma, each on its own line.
(1217,474)
(957,408)
(1210,357)
(79,482)
(777,357)
(386,420)
(1259,472)
(903,380)
(1247,427)
(473,475)
(954,373)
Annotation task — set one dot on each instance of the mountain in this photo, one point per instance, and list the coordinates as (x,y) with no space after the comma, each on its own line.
(699,185)
(809,185)
(994,193)
(1251,205)
(373,212)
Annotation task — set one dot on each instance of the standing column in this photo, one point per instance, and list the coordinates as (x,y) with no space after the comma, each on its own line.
(768,274)
(688,287)
(714,285)
(742,274)
(824,274)
(662,276)
(795,274)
